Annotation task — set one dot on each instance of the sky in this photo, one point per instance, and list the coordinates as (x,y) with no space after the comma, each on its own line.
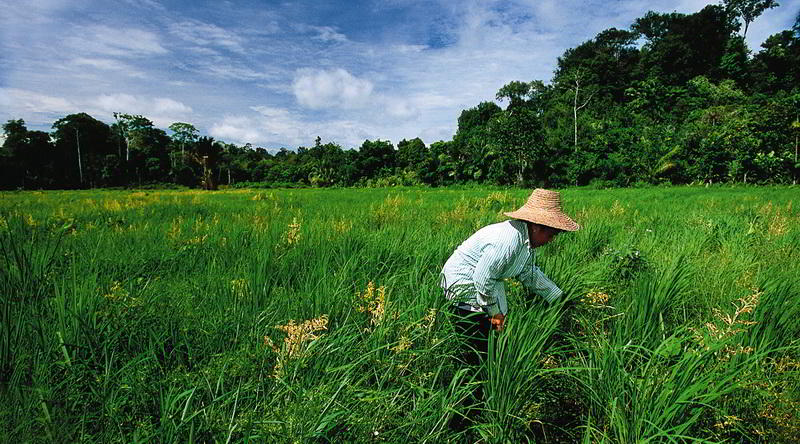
(280,73)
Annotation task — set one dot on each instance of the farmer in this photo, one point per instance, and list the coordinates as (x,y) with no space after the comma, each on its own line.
(472,278)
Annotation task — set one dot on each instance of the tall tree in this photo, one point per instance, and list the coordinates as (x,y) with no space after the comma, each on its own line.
(608,61)
(680,47)
(749,10)
(206,154)
(580,95)
(129,124)
(376,158)
(518,142)
(471,148)
(82,143)
(26,157)
(183,134)
(735,61)
(146,153)
(16,135)
(777,66)
(324,159)
(515,92)
(412,154)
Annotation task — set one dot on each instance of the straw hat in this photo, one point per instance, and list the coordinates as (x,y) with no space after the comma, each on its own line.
(544,207)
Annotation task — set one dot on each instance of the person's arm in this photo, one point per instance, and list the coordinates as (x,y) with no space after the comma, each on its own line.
(537,282)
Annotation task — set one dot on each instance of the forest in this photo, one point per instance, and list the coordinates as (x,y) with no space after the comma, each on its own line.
(674,99)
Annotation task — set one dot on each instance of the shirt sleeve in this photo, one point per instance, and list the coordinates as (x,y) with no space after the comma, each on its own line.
(488,268)
(536,282)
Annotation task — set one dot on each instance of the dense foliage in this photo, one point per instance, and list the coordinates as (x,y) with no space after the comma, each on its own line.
(676,98)
(315,315)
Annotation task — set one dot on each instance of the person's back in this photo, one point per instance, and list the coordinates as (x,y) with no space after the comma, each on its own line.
(494,252)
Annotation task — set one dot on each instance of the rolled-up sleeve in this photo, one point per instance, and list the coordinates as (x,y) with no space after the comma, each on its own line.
(536,282)
(484,278)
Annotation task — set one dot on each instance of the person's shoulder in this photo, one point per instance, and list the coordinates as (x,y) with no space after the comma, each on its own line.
(510,232)
(519,227)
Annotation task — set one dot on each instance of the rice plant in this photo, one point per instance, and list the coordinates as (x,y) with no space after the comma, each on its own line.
(315,316)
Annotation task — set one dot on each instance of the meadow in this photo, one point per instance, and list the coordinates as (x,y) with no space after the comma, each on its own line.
(314,315)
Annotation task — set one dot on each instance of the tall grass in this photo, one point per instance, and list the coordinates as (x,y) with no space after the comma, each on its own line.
(315,316)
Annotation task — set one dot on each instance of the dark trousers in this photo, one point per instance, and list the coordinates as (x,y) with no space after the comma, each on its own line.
(473,329)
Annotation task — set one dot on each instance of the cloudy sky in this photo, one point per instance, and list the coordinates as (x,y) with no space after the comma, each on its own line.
(281,73)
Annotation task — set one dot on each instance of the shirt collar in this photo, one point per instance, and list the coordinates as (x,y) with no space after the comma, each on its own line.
(526,235)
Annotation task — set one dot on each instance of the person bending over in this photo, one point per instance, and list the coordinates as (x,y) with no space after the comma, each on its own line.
(472,278)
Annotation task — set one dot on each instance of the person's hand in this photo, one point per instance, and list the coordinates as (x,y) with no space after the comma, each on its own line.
(498,321)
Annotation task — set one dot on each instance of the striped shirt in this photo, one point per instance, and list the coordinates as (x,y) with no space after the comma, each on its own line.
(473,276)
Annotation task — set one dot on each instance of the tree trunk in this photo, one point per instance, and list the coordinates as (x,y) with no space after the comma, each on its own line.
(575,113)
(78,143)
(576,108)
(206,174)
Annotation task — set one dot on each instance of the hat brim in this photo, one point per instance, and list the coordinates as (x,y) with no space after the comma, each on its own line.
(553,219)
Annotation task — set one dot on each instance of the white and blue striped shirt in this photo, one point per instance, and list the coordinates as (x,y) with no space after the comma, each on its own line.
(473,276)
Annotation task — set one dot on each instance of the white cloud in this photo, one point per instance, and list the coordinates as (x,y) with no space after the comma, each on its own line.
(406,49)
(100,63)
(401,109)
(111,103)
(110,41)
(275,125)
(334,88)
(226,71)
(20,102)
(166,105)
(323,33)
(106,64)
(237,129)
(268,111)
(163,111)
(147,5)
(434,134)
(279,122)
(206,34)
(329,34)
(35,12)
(271,126)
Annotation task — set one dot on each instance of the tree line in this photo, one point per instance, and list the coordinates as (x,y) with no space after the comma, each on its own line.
(676,98)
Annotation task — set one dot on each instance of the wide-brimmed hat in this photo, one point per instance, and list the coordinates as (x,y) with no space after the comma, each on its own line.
(544,207)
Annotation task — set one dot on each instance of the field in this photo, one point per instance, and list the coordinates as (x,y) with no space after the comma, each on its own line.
(315,316)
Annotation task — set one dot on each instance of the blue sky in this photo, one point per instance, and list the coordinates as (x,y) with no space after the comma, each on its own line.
(281,73)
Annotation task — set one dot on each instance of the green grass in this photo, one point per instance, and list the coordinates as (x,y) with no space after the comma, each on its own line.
(151,317)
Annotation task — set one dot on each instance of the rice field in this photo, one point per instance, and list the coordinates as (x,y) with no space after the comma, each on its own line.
(314,315)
